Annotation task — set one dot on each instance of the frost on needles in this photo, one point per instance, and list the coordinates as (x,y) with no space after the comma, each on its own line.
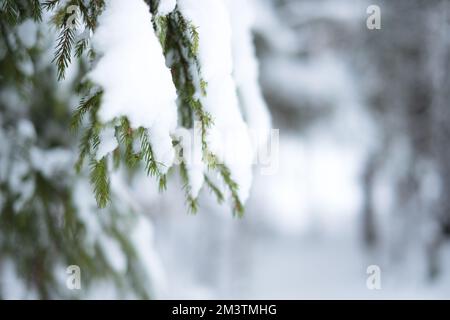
(161,71)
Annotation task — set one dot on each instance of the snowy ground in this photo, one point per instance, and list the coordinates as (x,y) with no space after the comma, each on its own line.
(296,267)
(300,238)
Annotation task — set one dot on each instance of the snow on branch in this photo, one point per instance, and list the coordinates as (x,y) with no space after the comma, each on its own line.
(158,68)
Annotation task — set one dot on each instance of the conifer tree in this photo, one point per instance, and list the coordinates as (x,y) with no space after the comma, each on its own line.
(179,39)
(40,209)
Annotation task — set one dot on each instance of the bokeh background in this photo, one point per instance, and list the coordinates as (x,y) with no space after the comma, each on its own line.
(363,171)
(364,164)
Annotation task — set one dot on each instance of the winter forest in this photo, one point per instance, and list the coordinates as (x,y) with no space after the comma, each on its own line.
(224,149)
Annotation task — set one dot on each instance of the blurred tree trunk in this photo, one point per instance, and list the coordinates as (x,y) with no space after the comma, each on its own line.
(368,184)
(439,67)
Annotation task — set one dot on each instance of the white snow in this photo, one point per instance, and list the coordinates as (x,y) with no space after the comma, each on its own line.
(108,142)
(245,69)
(115,254)
(212,19)
(213,23)
(85,203)
(190,141)
(26,129)
(11,284)
(51,161)
(140,231)
(166,6)
(132,72)
(142,238)
(28,33)
(22,186)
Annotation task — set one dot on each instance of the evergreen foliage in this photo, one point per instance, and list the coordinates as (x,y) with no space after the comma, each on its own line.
(177,35)
(43,230)
(49,220)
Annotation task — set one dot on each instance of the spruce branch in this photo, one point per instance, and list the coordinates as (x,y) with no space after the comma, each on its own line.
(49,5)
(194,38)
(181,37)
(86,103)
(36,10)
(151,166)
(90,11)
(214,189)
(10,11)
(81,47)
(126,136)
(63,53)
(162,185)
(17,11)
(100,181)
(90,138)
(183,34)
(84,147)
(191,202)
(238,207)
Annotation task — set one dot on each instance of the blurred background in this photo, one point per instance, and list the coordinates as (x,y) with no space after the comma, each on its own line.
(363,175)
